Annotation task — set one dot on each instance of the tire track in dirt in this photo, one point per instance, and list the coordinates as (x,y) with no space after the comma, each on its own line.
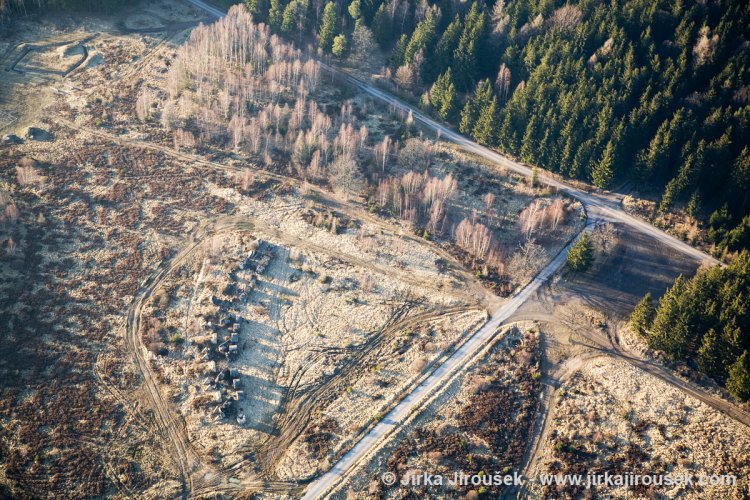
(297,408)
(602,346)
(172,425)
(324,198)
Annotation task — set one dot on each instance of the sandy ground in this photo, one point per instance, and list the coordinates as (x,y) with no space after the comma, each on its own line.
(610,409)
(441,439)
(338,325)
(299,332)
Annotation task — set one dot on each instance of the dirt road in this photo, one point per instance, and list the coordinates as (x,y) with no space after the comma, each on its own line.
(433,382)
(170,422)
(600,207)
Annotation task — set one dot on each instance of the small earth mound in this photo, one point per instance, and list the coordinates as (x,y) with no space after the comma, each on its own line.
(72,49)
(95,59)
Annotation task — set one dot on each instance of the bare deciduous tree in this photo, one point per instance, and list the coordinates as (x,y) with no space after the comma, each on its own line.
(557,212)
(500,19)
(566,18)
(143,104)
(381,152)
(489,202)
(11,246)
(704,46)
(473,237)
(183,139)
(27,175)
(531,217)
(502,83)
(344,176)
(528,259)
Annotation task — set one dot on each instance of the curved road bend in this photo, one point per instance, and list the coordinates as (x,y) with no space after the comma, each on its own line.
(607,207)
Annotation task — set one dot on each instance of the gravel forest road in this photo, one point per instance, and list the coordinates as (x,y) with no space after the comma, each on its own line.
(433,382)
(600,207)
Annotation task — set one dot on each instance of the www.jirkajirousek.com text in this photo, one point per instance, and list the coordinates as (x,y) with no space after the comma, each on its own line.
(598,480)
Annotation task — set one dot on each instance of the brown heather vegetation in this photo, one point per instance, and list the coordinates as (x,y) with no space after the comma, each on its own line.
(494,415)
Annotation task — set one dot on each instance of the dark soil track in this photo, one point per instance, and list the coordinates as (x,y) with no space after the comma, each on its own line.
(639,264)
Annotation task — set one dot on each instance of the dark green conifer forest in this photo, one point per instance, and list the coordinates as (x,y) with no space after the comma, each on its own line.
(705,319)
(654,93)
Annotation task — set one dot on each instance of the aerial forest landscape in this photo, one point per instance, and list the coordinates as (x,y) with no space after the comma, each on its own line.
(374,249)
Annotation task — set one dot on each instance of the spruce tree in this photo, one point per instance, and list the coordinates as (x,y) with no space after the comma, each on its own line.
(581,254)
(670,331)
(738,382)
(399,52)
(328,27)
(474,106)
(604,170)
(528,143)
(643,315)
(443,56)
(471,44)
(505,136)
(423,38)
(693,204)
(710,356)
(382,26)
(468,117)
(485,129)
(443,95)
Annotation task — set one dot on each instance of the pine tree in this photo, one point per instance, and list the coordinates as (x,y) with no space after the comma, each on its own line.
(738,382)
(581,254)
(382,26)
(328,27)
(339,46)
(485,129)
(643,315)
(275,14)
(604,170)
(443,95)
(398,58)
(258,8)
